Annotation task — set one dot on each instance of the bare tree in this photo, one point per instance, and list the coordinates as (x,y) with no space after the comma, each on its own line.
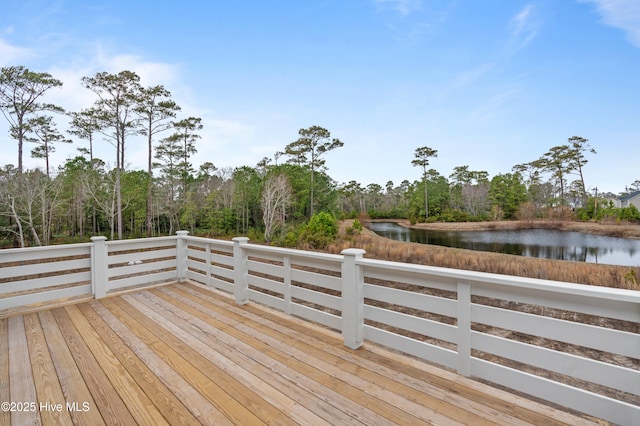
(276,198)
(30,200)
(8,208)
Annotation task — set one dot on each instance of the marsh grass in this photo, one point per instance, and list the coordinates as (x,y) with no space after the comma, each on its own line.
(574,272)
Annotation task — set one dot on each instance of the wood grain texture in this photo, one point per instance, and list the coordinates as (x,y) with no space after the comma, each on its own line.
(186,354)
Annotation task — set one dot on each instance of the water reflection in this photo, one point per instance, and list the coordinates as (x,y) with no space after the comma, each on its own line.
(542,243)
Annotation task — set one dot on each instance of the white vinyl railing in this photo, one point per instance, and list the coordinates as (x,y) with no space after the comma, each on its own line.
(573,345)
(36,275)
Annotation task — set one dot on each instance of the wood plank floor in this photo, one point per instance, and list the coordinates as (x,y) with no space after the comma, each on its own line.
(184,354)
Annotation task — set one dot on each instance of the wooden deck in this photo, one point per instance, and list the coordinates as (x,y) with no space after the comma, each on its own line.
(184,354)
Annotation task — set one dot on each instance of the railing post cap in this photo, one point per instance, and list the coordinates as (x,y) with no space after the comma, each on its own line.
(98,238)
(353,252)
(240,240)
(182,233)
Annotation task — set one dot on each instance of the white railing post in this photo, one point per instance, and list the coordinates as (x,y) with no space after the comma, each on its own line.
(352,298)
(99,267)
(181,255)
(240,271)
(464,328)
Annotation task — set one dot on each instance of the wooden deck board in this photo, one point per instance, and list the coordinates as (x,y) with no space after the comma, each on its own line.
(5,392)
(47,386)
(71,381)
(107,401)
(311,394)
(184,354)
(21,379)
(388,405)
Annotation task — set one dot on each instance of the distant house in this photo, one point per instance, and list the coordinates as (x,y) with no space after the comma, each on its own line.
(610,198)
(629,199)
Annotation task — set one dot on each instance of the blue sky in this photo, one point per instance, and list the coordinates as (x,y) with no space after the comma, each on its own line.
(488,83)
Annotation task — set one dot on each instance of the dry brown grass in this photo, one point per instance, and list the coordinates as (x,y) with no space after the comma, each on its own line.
(576,272)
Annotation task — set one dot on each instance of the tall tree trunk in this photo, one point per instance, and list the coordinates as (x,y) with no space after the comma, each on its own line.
(119,203)
(119,167)
(426,199)
(149,212)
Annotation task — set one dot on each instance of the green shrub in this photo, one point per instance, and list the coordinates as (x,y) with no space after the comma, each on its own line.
(454,216)
(355,228)
(630,213)
(321,230)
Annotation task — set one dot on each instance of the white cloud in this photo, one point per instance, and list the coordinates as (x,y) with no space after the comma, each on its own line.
(472,75)
(151,73)
(74,96)
(10,55)
(524,26)
(492,107)
(403,7)
(622,14)
(411,21)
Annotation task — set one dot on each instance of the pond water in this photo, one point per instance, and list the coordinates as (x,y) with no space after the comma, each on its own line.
(543,243)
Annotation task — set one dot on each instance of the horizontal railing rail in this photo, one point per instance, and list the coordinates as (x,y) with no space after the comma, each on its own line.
(36,275)
(573,345)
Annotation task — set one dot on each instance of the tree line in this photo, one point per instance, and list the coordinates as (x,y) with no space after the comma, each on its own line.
(280,199)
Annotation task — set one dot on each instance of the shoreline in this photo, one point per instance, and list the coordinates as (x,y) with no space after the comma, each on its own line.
(611,230)
(603,275)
